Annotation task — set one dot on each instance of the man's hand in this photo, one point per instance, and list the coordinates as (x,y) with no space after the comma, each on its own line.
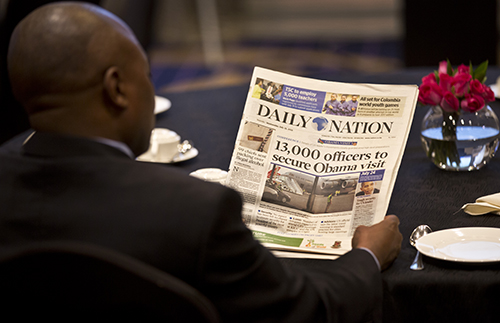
(383,239)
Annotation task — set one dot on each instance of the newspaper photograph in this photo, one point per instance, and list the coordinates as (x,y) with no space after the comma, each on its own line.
(315,159)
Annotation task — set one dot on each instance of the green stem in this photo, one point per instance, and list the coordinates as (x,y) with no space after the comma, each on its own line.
(449,129)
(448,147)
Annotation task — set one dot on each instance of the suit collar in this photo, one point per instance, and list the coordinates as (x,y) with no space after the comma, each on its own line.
(54,145)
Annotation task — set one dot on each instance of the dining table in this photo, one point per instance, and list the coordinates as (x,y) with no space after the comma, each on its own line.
(444,291)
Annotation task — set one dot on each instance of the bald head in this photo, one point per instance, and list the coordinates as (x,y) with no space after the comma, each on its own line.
(78,69)
(63,47)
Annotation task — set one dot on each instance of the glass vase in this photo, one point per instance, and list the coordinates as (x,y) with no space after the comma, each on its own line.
(462,141)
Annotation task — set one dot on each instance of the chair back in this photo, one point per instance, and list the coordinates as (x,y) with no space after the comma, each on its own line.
(73,281)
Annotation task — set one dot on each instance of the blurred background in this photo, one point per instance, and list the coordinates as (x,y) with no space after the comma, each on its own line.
(207,43)
(222,40)
(203,44)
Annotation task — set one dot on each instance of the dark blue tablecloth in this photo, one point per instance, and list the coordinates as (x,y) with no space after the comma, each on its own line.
(423,194)
(210,119)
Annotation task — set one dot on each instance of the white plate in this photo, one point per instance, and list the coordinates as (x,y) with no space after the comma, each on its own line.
(161,104)
(472,245)
(494,88)
(190,154)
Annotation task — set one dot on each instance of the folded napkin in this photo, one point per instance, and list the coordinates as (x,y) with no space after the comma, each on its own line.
(483,205)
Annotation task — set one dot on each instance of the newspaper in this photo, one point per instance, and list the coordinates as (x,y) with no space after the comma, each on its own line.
(314,159)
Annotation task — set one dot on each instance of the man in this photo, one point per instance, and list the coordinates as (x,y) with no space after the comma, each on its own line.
(352,106)
(332,106)
(268,95)
(277,96)
(329,200)
(84,81)
(13,119)
(344,105)
(367,188)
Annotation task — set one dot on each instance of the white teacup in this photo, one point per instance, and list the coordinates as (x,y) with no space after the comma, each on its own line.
(214,175)
(163,145)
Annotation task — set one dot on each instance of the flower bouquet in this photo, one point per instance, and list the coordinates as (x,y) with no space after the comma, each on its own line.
(454,92)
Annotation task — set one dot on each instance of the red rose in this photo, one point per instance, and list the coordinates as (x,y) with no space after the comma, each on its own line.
(430,93)
(431,78)
(449,103)
(463,69)
(443,67)
(488,94)
(472,103)
(476,87)
(456,89)
(445,81)
(461,84)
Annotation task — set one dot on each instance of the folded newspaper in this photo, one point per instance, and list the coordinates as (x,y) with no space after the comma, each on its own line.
(315,159)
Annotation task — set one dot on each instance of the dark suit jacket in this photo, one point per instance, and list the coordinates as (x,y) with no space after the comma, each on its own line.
(64,188)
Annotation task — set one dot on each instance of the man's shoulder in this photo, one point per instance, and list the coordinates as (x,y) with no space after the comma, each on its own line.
(169,181)
(108,167)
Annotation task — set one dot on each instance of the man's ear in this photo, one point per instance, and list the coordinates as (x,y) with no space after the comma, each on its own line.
(114,88)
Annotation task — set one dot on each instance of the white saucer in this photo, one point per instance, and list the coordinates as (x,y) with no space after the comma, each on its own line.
(190,154)
(161,104)
(469,245)
(210,175)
